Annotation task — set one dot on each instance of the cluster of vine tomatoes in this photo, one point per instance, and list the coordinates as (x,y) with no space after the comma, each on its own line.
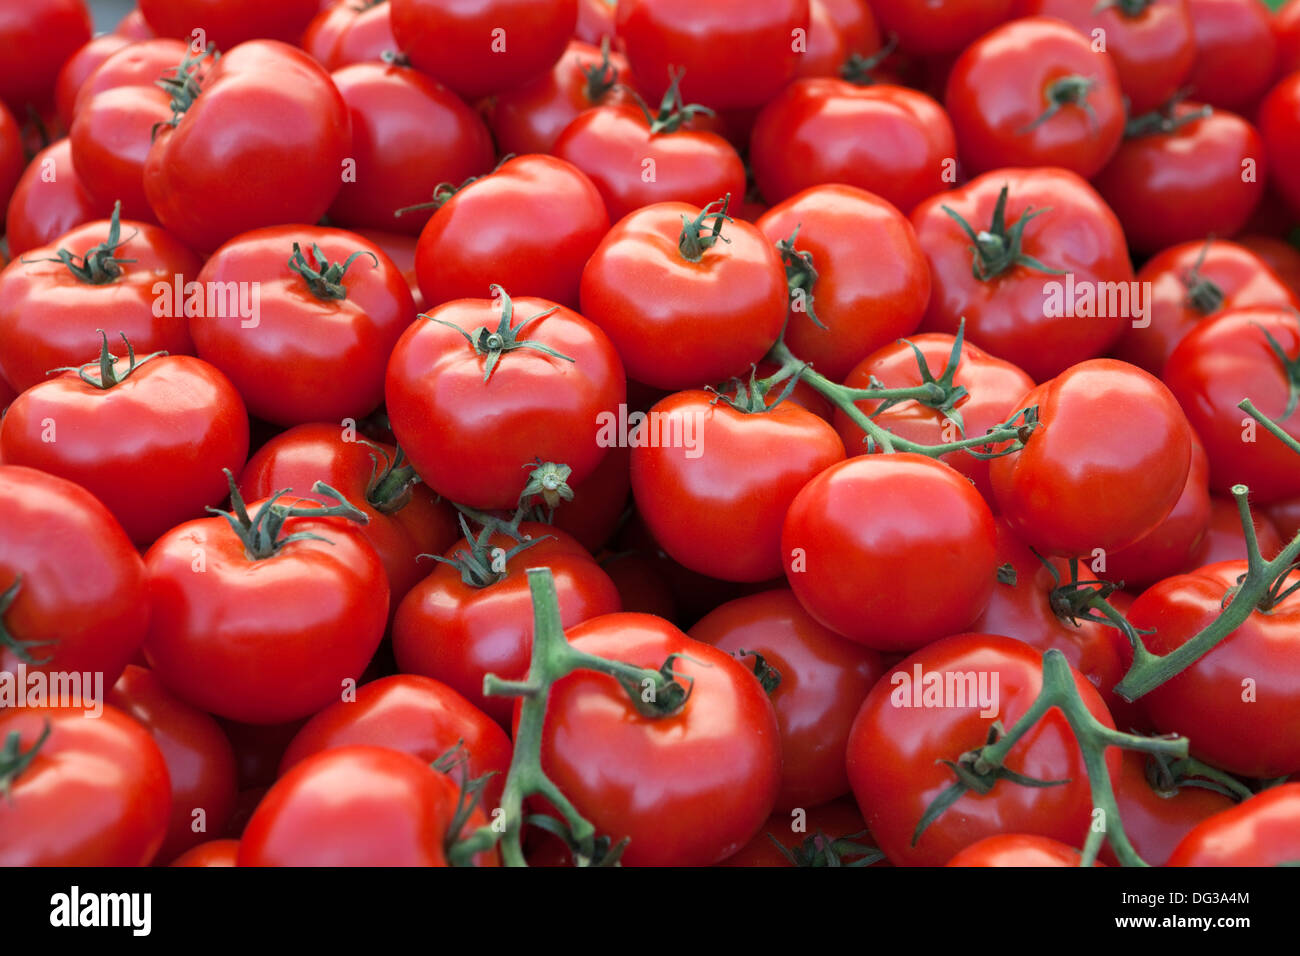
(815,348)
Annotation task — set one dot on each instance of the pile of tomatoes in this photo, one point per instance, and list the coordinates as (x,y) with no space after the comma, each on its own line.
(663,432)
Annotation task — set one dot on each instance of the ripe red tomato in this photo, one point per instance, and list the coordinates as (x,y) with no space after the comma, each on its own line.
(870,282)
(811,837)
(224,23)
(994,389)
(683,308)
(1018,849)
(51,310)
(1189,282)
(716,500)
(1157,819)
(895,749)
(1043,321)
(74,586)
(717,759)
(345,33)
(1033,92)
(889,140)
(263,637)
(734,53)
(634,166)
(477,47)
(939,26)
(892,551)
(529,226)
(414,714)
(48,201)
(1223,360)
(600,502)
(301,338)
(1262,831)
(133,26)
(1236,52)
(1248,681)
(837,30)
(472,414)
(595,20)
(1279,255)
(268,118)
(1183,176)
(1106,465)
(1286,30)
(824,679)
(457,630)
(1226,541)
(357,806)
(36,37)
(212,853)
(408,135)
(1150,42)
(1279,124)
(150,443)
(95,792)
(12,158)
(199,758)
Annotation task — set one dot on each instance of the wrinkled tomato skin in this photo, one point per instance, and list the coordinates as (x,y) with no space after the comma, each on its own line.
(872,285)
(824,679)
(1017,849)
(716,761)
(48,201)
(719,508)
(97,793)
(1263,831)
(1209,702)
(200,761)
(994,390)
(891,551)
(894,755)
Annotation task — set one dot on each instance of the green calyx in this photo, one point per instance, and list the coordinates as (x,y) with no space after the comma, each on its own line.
(99,265)
(1129,8)
(550,481)
(694,240)
(20,648)
(601,77)
(389,488)
(480,564)
(673,113)
(1164,120)
(325,280)
(1202,294)
(800,276)
(106,364)
(444,191)
(997,249)
(1291,368)
(818,849)
(857,69)
(14,760)
(183,87)
(261,533)
(1067,91)
(767,675)
(943,395)
(494,343)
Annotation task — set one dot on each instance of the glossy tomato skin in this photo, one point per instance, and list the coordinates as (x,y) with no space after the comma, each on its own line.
(894,752)
(649,298)
(1210,702)
(97,792)
(1263,831)
(399,530)
(50,319)
(872,284)
(595,21)
(1279,124)
(151,448)
(409,133)
(35,40)
(212,853)
(735,54)
(615,147)
(717,503)
(1180,298)
(1106,464)
(1279,255)
(296,356)
(1000,90)
(995,388)
(263,641)
(1155,820)
(1014,315)
(599,502)
(1236,52)
(837,29)
(939,27)
(716,761)
(12,158)
(1017,849)
(540,406)
(82,601)
(1286,29)
(1204,178)
(528,118)
(224,23)
(530,226)
(889,140)
(457,633)
(48,201)
(877,534)
(284,142)
(414,714)
(345,33)
(1222,361)
(355,806)
(477,48)
(824,679)
(1152,47)
(1225,540)
(200,761)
